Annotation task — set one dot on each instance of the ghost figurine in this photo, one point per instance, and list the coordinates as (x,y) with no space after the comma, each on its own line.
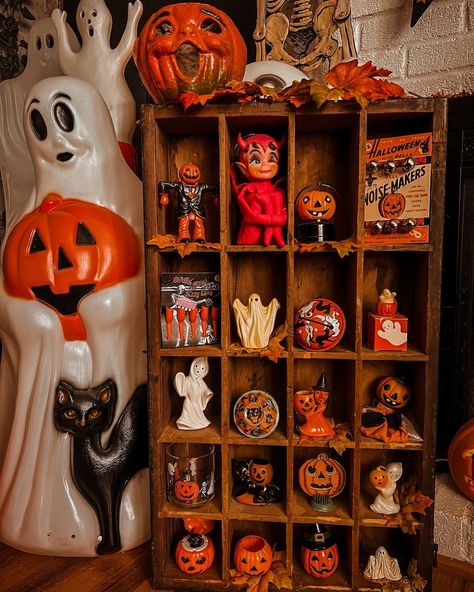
(382,567)
(255,322)
(385,481)
(99,335)
(196,395)
(16,168)
(98,63)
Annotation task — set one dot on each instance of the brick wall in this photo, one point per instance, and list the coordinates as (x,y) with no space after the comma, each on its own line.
(437,55)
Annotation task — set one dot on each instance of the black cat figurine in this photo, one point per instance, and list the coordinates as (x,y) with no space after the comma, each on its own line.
(101,474)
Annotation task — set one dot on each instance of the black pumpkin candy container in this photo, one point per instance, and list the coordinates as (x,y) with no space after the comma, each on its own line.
(315,207)
(319,552)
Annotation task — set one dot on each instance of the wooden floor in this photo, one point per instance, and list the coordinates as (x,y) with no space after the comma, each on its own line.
(131,572)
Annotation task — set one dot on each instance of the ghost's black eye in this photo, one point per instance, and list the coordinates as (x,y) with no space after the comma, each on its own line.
(38,43)
(39,125)
(64,117)
(49,41)
(94,13)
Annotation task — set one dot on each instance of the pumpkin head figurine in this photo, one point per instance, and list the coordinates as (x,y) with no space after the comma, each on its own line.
(189,47)
(322,478)
(253,480)
(392,205)
(194,553)
(309,407)
(319,552)
(393,393)
(253,556)
(315,207)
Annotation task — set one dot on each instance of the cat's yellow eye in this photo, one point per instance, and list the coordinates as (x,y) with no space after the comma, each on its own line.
(70,413)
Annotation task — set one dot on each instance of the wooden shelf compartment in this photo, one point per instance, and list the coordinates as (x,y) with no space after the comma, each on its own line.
(413,373)
(341,382)
(341,579)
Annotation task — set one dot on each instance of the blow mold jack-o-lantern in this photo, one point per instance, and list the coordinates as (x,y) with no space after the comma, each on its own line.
(253,556)
(65,250)
(315,207)
(461,459)
(194,553)
(322,478)
(393,393)
(189,47)
(319,552)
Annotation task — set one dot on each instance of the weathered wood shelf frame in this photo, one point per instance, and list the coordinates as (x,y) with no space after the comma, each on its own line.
(326,145)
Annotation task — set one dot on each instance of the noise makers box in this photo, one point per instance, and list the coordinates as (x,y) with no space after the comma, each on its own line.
(397,189)
(190,309)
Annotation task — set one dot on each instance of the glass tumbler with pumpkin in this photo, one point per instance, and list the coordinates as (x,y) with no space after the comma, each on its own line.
(322,478)
(315,207)
(190,473)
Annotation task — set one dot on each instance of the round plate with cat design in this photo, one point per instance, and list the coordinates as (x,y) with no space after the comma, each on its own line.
(256,414)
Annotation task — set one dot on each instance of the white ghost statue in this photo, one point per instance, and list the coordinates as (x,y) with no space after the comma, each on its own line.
(16,168)
(98,63)
(384,502)
(196,395)
(382,567)
(255,322)
(71,139)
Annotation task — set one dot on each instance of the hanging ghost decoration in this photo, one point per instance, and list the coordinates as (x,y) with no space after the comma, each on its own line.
(80,176)
(16,168)
(99,64)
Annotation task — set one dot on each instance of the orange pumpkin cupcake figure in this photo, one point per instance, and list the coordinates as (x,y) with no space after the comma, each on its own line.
(309,407)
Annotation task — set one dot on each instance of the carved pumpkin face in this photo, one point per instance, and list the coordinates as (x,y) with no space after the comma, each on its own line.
(260,472)
(393,392)
(64,250)
(253,556)
(194,553)
(189,174)
(461,459)
(392,205)
(186,491)
(320,563)
(189,47)
(322,475)
(316,205)
(304,402)
(379,478)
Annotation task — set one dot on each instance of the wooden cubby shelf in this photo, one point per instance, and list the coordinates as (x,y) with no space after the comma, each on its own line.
(326,145)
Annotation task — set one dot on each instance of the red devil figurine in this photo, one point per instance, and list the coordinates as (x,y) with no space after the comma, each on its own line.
(262,203)
(190,202)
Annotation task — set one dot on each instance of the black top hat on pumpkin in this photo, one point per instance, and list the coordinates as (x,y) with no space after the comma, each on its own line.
(322,383)
(318,536)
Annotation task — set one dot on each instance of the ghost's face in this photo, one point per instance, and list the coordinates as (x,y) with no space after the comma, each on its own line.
(381,554)
(94,20)
(43,47)
(394,471)
(65,120)
(254,302)
(199,368)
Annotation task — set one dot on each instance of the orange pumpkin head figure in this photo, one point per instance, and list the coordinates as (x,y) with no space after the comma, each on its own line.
(189,174)
(379,478)
(393,393)
(260,472)
(194,553)
(189,47)
(253,556)
(316,204)
(319,552)
(304,402)
(65,250)
(392,205)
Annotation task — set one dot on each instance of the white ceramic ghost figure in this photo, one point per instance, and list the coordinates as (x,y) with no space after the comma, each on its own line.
(255,321)
(384,502)
(71,139)
(98,63)
(16,168)
(382,567)
(196,395)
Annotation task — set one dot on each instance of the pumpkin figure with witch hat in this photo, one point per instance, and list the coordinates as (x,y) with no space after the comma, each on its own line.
(309,407)
(319,552)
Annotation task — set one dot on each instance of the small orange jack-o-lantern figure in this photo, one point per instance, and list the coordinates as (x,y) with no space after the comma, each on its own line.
(304,402)
(189,47)
(319,552)
(379,477)
(393,393)
(186,491)
(194,553)
(253,556)
(461,459)
(63,251)
(316,203)
(392,205)
(260,472)
(189,174)
(322,475)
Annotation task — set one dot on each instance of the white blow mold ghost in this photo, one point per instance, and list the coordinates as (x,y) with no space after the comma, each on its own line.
(98,63)
(16,167)
(75,154)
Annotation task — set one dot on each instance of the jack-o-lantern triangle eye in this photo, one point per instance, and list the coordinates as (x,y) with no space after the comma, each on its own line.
(211,26)
(83,235)
(37,243)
